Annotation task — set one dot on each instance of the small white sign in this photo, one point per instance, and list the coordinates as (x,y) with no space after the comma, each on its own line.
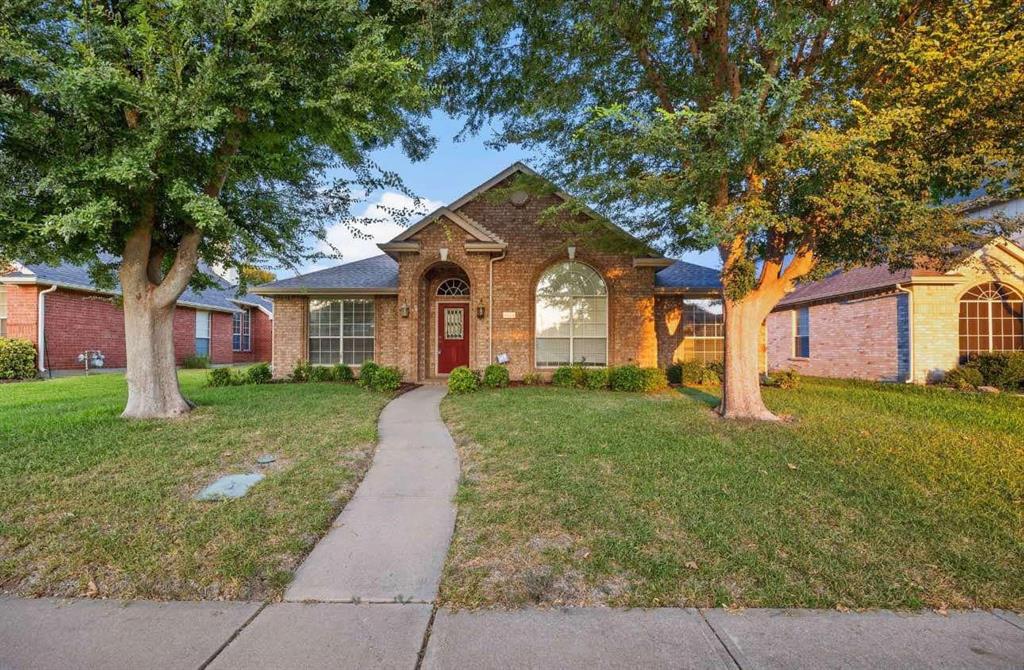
(508,315)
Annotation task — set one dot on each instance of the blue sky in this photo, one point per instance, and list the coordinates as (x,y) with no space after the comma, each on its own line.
(451,170)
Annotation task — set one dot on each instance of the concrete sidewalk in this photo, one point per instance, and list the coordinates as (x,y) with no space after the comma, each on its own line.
(49,633)
(390,542)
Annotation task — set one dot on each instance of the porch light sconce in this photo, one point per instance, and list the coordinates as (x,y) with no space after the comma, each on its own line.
(444,253)
(572,252)
(480,311)
(404,311)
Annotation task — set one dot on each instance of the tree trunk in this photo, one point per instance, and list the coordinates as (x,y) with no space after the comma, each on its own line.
(152,376)
(741,388)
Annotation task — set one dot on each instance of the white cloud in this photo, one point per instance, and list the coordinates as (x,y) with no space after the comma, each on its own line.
(381,228)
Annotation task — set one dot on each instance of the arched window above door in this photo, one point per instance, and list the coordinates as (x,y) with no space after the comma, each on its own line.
(991,319)
(453,287)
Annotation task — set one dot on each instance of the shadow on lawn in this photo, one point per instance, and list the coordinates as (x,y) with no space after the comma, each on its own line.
(700,396)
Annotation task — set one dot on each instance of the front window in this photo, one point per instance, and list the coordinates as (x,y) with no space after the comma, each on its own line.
(3,311)
(341,331)
(202,333)
(991,319)
(241,339)
(571,316)
(703,331)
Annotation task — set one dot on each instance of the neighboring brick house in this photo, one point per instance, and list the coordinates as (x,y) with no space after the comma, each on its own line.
(907,325)
(484,280)
(79,316)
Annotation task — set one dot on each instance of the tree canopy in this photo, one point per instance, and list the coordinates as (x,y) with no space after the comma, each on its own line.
(216,121)
(794,137)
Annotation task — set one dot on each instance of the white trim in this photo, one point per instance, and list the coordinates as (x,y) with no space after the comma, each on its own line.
(363,292)
(41,326)
(571,337)
(461,221)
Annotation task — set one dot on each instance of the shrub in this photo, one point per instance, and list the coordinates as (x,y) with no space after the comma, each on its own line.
(533,379)
(674,373)
(321,373)
(781,379)
(196,363)
(626,378)
(366,373)
(563,377)
(220,377)
(17,359)
(695,372)
(463,380)
(964,378)
(302,372)
(496,376)
(258,374)
(386,379)
(654,380)
(596,378)
(718,368)
(1003,370)
(343,373)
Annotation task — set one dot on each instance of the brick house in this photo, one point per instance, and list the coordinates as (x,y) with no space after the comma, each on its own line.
(906,325)
(487,279)
(78,316)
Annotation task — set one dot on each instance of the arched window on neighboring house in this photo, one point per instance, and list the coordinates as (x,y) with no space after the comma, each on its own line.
(571,316)
(991,319)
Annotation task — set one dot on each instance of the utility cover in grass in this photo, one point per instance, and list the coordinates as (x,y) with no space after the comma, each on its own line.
(229,486)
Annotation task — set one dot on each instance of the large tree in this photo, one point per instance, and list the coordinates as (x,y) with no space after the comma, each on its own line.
(165,132)
(794,137)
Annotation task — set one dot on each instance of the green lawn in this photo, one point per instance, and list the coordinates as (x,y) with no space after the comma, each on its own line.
(871,496)
(88,497)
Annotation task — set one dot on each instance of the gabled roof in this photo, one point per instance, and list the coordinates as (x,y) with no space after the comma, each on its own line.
(683,275)
(220,297)
(479,231)
(378,274)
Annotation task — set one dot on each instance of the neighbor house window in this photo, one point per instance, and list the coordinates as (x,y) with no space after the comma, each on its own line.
(241,339)
(802,333)
(703,331)
(3,311)
(202,333)
(341,331)
(572,316)
(991,319)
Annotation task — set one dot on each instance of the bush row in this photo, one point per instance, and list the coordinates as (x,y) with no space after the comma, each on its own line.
(695,372)
(623,378)
(257,374)
(371,376)
(17,359)
(465,380)
(1003,370)
(195,362)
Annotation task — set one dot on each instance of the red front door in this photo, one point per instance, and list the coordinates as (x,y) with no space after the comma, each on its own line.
(452,336)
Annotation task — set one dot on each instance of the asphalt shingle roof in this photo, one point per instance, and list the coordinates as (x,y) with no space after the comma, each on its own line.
(857,280)
(221,296)
(688,275)
(370,273)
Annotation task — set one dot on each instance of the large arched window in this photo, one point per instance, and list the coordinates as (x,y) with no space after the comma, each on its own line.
(572,316)
(991,319)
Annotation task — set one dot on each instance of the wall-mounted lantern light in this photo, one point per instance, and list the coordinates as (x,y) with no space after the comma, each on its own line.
(481,310)
(404,311)
(572,252)
(444,253)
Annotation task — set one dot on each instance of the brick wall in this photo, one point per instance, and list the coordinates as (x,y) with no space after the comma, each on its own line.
(858,338)
(289,333)
(22,312)
(260,337)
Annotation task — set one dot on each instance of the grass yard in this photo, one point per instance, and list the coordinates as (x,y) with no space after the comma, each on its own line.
(92,504)
(872,496)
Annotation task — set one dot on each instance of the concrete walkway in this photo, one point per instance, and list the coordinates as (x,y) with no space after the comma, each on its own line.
(390,542)
(364,599)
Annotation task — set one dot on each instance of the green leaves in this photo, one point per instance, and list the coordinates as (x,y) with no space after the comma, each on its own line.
(219,115)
